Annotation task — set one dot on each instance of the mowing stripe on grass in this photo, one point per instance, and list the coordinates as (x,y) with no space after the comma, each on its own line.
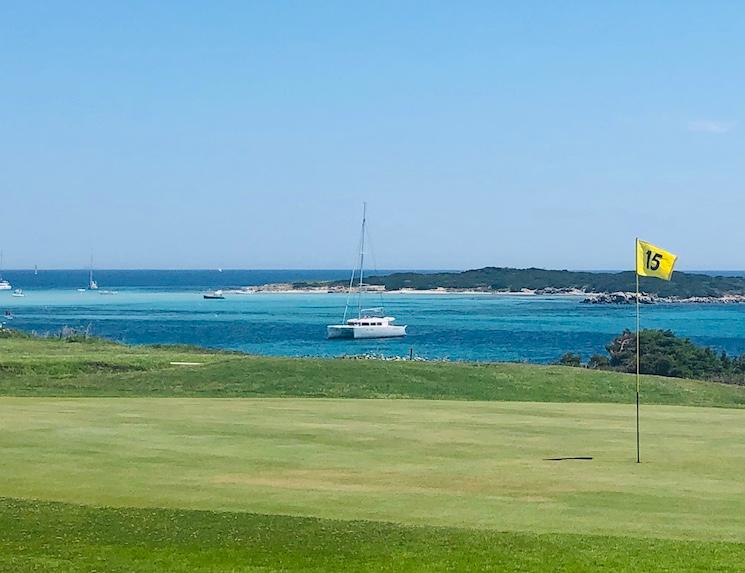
(41,536)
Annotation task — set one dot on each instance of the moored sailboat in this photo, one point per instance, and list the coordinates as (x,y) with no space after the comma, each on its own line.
(370,322)
(92,284)
(4,285)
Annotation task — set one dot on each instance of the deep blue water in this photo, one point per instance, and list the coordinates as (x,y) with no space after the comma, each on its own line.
(167,307)
(179,280)
(171,280)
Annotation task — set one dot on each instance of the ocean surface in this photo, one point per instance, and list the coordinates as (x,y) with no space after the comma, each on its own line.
(167,307)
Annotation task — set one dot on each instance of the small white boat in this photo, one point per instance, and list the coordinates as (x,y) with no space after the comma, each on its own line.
(4,285)
(18,292)
(92,284)
(214,295)
(370,322)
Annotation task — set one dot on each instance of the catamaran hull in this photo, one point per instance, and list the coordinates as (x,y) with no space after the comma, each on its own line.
(359,332)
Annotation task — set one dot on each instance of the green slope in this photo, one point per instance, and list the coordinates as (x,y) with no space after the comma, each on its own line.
(37,367)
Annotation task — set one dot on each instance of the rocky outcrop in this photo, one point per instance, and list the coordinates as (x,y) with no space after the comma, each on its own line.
(620,298)
(644,298)
(553,290)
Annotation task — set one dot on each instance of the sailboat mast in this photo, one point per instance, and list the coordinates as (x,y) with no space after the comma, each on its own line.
(354,270)
(362,260)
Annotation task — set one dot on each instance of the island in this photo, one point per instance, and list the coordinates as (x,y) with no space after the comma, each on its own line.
(593,287)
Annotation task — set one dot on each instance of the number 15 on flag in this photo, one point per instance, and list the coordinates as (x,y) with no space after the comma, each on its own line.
(652,261)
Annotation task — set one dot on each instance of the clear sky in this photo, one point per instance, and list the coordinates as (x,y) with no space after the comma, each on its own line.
(247,134)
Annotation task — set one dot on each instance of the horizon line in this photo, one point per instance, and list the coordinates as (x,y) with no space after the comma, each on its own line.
(345,269)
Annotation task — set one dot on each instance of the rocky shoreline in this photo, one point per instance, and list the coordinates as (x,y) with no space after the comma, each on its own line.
(645,298)
(619,297)
(289,288)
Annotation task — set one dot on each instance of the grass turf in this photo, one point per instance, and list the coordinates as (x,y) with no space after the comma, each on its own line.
(43,536)
(443,485)
(461,464)
(41,367)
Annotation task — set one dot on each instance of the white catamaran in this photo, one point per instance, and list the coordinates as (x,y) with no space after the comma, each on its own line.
(370,322)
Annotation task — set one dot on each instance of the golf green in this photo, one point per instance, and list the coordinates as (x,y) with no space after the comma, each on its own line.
(418,462)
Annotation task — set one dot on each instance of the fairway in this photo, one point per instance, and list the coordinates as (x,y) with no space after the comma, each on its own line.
(419,462)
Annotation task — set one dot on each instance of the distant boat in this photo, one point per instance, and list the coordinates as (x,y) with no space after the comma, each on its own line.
(36,270)
(92,284)
(215,294)
(370,322)
(4,285)
(18,292)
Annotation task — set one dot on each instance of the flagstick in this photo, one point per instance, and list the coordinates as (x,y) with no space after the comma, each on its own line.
(636,272)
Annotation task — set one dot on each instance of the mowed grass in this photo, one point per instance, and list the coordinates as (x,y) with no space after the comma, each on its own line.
(49,367)
(43,536)
(442,463)
(115,459)
(24,355)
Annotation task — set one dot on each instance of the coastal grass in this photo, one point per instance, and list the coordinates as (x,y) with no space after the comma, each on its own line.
(52,367)
(43,536)
(480,465)
(22,354)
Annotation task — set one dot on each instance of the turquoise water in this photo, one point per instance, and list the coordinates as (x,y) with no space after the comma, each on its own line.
(455,327)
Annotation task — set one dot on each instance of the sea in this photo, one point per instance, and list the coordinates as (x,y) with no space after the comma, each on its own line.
(166,306)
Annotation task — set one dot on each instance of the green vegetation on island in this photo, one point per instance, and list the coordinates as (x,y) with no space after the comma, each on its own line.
(682,285)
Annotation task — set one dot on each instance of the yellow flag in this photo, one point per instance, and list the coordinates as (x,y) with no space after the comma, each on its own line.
(652,261)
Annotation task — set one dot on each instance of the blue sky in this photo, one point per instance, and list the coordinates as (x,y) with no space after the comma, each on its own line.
(248,134)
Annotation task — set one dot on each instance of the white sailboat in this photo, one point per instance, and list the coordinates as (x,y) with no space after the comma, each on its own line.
(4,285)
(92,285)
(370,322)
